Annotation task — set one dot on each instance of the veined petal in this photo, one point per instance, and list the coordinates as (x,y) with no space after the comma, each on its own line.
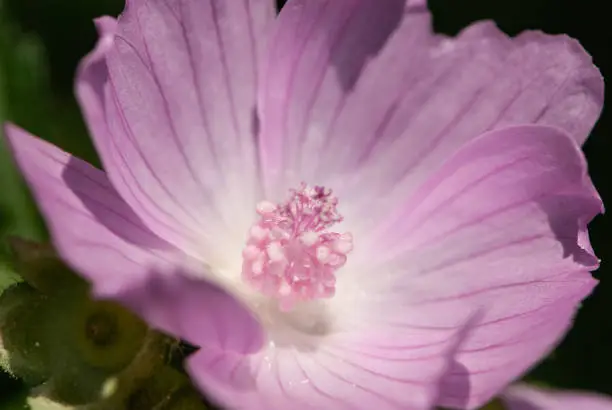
(98,234)
(367,365)
(92,227)
(362,95)
(169,95)
(196,311)
(501,225)
(91,83)
(524,397)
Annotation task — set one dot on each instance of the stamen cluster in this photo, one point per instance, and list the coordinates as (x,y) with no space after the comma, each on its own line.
(290,255)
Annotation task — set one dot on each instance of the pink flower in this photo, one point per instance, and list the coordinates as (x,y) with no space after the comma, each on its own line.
(523,397)
(437,249)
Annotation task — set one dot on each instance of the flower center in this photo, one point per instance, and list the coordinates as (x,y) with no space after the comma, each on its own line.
(290,254)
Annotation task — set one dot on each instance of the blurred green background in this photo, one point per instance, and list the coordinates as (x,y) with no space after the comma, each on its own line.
(41,42)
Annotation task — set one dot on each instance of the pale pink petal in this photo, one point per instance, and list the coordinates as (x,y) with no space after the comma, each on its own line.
(368,364)
(169,95)
(524,397)
(98,234)
(196,311)
(91,78)
(364,99)
(92,227)
(501,225)
(362,95)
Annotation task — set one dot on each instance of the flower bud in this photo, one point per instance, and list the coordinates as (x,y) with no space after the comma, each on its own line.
(83,353)
(54,333)
(167,389)
(494,405)
(25,355)
(42,403)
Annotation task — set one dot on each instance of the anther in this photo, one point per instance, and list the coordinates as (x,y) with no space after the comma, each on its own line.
(290,255)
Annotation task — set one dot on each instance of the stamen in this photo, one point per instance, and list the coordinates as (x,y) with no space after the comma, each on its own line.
(290,255)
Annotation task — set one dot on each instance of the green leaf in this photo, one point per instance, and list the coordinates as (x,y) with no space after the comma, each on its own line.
(8,277)
(21,68)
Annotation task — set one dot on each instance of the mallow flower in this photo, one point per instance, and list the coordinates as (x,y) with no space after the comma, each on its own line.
(525,397)
(343,209)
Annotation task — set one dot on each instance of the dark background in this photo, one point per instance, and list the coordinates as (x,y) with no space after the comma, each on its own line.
(41,42)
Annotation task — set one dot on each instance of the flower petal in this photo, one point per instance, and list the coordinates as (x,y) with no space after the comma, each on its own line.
(169,95)
(92,227)
(502,225)
(197,311)
(359,86)
(392,367)
(91,80)
(98,234)
(524,397)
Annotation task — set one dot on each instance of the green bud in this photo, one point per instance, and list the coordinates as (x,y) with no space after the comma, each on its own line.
(25,354)
(4,359)
(56,336)
(99,334)
(38,264)
(42,403)
(80,353)
(494,405)
(104,334)
(167,389)
(7,276)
